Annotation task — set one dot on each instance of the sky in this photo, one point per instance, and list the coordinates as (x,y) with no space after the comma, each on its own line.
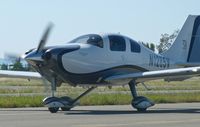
(22,22)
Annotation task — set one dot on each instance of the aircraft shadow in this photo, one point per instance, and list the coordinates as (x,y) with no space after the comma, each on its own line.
(121,112)
(110,112)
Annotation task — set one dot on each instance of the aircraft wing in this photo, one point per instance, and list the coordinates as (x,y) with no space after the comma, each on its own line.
(20,74)
(188,64)
(153,75)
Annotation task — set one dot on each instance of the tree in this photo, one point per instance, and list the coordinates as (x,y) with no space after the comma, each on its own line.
(17,66)
(150,46)
(147,45)
(4,67)
(166,41)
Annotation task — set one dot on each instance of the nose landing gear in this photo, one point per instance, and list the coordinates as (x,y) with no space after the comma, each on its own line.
(65,103)
(54,103)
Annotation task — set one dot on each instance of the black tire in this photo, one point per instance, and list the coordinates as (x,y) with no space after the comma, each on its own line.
(65,109)
(141,109)
(53,109)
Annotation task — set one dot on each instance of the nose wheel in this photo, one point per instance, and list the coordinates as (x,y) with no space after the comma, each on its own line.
(54,103)
(53,109)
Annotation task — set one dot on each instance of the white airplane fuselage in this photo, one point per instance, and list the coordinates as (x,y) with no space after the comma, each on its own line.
(80,62)
(90,58)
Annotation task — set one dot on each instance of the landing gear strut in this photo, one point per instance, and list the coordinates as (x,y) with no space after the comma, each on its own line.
(139,102)
(65,103)
(53,86)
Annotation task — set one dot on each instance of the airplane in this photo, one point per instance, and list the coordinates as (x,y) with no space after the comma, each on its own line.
(97,60)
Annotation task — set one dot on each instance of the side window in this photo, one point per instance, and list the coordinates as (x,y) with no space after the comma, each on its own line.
(117,43)
(135,47)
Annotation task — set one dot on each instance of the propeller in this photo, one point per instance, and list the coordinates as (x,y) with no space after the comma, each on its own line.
(44,38)
(40,47)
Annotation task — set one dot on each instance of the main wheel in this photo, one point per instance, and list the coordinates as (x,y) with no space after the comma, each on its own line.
(65,108)
(142,109)
(141,103)
(53,109)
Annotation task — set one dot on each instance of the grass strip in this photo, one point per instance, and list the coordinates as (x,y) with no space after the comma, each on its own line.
(21,101)
(100,99)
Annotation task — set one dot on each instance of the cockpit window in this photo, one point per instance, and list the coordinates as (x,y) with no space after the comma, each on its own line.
(117,43)
(92,39)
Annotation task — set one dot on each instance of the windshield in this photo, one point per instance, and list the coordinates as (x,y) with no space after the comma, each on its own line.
(92,39)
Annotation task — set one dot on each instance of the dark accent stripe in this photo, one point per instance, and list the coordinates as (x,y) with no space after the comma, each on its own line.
(90,78)
(194,32)
(139,69)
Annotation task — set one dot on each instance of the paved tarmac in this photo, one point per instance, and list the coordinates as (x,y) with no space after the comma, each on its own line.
(161,115)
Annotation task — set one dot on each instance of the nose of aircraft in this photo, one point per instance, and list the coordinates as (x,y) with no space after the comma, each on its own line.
(44,55)
(33,56)
(48,53)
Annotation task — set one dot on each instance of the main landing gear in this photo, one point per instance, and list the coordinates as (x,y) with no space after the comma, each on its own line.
(139,102)
(65,103)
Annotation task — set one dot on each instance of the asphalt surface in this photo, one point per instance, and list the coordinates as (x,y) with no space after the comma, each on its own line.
(161,115)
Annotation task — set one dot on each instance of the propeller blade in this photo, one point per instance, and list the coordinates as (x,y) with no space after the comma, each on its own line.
(44,38)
